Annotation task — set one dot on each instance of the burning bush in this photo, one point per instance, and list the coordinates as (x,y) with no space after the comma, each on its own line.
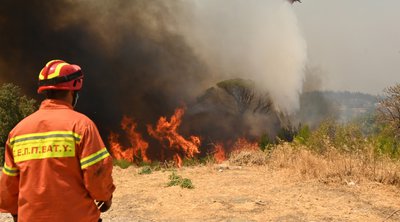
(138,146)
(166,132)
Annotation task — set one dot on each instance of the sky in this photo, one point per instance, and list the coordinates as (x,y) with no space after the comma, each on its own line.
(356,43)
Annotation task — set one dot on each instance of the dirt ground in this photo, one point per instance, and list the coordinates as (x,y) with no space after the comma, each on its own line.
(246,194)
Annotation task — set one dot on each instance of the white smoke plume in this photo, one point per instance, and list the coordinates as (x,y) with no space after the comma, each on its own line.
(258,40)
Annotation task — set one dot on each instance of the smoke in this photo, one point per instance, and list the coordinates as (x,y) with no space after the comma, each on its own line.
(133,63)
(313,78)
(257,40)
(145,58)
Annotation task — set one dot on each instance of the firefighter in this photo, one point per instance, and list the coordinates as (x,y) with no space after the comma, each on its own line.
(56,165)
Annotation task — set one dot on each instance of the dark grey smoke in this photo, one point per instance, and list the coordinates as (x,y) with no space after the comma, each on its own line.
(141,58)
(129,67)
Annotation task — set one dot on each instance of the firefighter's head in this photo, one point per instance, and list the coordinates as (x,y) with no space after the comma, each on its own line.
(58,79)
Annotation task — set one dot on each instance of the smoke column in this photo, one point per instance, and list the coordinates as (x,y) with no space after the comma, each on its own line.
(145,58)
(257,40)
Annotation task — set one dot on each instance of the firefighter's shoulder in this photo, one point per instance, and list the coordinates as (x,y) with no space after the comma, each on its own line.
(82,119)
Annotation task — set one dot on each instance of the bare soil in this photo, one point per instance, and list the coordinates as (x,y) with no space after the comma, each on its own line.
(259,193)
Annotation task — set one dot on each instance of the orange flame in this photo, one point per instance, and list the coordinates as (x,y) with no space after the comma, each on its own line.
(167,131)
(219,153)
(178,160)
(135,139)
(244,144)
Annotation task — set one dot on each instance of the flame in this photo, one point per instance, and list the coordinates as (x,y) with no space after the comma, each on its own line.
(166,132)
(178,160)
(240,144)
(244,144)
(219,153)
(138,147)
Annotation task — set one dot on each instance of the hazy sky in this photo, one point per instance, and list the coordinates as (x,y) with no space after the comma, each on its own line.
(355,42)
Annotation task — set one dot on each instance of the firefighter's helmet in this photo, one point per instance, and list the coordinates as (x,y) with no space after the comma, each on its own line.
(59,75)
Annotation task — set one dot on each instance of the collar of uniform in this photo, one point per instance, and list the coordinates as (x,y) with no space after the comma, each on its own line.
(55,104)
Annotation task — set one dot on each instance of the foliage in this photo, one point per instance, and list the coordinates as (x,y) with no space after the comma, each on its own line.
(186,183)
(368,123)
(389,107)
(386,142)
(14,106)
(176,180)
(287,133)
(303,135)
(122,163)
(265,144)
(145,170)
(330,134)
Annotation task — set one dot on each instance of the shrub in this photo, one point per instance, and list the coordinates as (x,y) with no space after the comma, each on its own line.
(176,180)
(386,142)
(14,106)
(303,135)
(186,183)
(330,134)
(265,143)
(146,170)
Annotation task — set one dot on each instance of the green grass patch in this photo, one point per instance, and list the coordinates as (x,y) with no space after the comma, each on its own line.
(145,170)
(176,180)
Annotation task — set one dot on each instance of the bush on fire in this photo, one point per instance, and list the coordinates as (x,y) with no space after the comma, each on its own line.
(14,106)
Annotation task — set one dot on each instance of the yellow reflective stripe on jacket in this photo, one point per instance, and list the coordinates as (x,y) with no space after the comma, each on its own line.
(47,135)
(94,158)
(44,145)
(10,171)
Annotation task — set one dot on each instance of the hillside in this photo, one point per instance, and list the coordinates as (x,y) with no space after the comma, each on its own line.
(316,106)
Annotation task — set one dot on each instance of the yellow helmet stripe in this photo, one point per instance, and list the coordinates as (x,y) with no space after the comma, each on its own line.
(52,61)
(57,71)
(41,77)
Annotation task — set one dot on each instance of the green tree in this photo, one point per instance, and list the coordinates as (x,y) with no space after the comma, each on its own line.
(14,106)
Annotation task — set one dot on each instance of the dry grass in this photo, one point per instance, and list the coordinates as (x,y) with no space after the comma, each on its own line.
(248,158)
(332,166)
(247,154)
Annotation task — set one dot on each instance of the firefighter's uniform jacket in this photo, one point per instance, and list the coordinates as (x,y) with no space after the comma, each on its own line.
(56,165)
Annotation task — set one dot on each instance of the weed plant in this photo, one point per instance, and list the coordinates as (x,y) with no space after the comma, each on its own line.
(146,170)
(176,180)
